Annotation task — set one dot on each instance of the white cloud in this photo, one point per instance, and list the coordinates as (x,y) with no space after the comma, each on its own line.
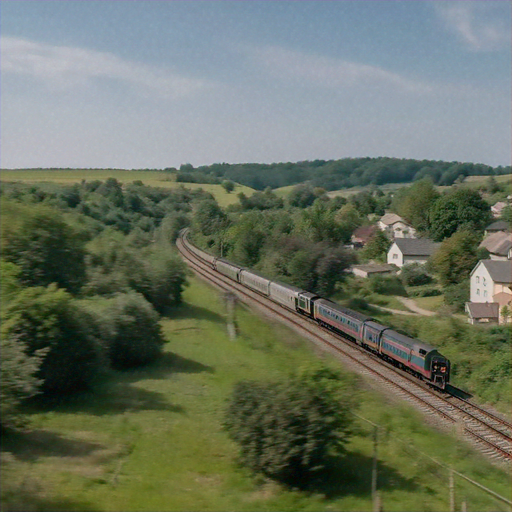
(474,24)
(329,72)
(64,67)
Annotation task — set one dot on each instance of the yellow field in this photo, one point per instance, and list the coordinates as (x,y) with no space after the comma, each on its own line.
(159,179)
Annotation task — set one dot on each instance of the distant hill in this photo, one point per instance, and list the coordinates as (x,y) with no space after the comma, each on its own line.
(337,174)
(328,174)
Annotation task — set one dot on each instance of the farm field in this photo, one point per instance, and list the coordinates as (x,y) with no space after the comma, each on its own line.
(159,179)
(154,440)
(471,181)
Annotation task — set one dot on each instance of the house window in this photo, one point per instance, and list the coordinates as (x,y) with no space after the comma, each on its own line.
(483,281)
(395,256)
(485,293)
(477,279)
(478,291)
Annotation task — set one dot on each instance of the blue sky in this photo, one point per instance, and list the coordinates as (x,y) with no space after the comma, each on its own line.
(155,84)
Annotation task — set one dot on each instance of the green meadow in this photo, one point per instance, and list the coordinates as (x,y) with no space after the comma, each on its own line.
(152,439)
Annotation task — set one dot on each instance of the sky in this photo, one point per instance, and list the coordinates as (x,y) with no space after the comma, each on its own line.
(155,84)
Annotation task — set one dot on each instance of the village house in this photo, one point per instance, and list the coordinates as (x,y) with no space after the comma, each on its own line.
(497,208)
(498,244)
(396,227)
(372,269)
(483,312)
(411,250)
(499,225)
(362,235)
(491,282)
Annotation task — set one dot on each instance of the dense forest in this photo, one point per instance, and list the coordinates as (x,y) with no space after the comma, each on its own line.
(337,174)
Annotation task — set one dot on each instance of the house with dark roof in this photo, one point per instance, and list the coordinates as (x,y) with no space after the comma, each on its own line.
(396,227)
(372,269)
(411,250)
(491,282)
(498,244)
(362,235)
(499,225)
(482,312)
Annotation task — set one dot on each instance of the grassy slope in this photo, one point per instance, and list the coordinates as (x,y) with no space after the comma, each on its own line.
(154,440)
(471,181)
(150,178)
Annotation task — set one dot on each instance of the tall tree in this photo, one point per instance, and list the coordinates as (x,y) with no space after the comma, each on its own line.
(460,209)
(456,257)
(413,203)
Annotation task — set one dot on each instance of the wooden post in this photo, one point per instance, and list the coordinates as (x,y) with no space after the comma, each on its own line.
(375,497)
(452,491)
(231,323)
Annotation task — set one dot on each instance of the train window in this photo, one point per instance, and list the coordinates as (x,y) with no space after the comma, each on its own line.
(422,352)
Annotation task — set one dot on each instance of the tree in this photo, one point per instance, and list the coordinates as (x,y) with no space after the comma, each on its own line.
(129,328)
(413,203)
(460,209)
(228,186)
(319,224)
(456,257)
(49,321)
(18,369)
(302,196)
(415,274)
(286,430)
(377,247)
(44,246)
(456,295)
(209,217)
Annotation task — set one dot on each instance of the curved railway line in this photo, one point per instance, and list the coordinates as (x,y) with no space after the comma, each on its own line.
(488,432)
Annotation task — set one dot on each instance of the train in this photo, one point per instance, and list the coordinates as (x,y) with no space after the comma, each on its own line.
(409,354)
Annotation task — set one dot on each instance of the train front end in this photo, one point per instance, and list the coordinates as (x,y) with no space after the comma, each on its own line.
(440,371)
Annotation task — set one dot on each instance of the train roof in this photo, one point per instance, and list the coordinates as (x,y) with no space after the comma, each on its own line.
(412,343)
(345,311)
(289,286)
(376,325)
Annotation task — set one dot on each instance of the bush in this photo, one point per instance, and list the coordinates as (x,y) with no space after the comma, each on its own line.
(457,295)
(425,292)
(287,429)
(48,320)
(415,274)
(43,245)
(384,285)
(129,329)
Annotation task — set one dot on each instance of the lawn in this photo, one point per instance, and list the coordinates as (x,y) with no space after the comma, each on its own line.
(152,439)
(161,179)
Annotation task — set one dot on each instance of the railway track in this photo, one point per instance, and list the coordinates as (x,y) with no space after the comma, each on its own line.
(489,433)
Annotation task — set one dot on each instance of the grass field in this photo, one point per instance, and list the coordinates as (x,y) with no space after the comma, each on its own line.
(160,179)
(471,181)
(153,439)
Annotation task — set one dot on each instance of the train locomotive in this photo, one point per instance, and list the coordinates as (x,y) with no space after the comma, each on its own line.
(409,354)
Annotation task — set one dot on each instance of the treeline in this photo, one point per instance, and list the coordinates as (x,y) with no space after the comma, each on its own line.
(86,273)
(337,174)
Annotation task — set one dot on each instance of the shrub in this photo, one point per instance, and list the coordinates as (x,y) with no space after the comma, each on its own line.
(415,275)
(129,328)
(385,285)
(287,429)
(48,320)
(457,295)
